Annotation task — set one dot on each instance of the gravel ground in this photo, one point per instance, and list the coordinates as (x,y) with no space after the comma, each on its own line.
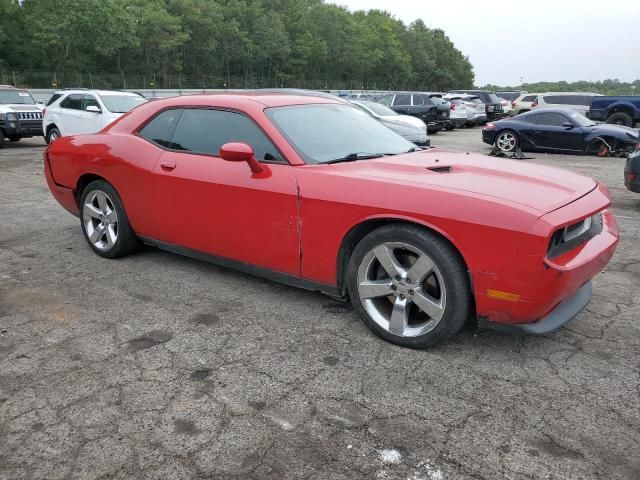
(158,366)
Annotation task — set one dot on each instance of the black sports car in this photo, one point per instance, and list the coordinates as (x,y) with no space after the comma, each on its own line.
(559,130)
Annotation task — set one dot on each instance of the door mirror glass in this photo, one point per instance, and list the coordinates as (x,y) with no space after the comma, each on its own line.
(92,108)
(240,152)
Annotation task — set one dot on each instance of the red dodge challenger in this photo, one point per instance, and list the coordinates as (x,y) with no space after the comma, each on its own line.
(312,192)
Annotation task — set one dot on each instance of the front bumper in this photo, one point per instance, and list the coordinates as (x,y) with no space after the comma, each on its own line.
(529,286)
(554,320)
(21,128)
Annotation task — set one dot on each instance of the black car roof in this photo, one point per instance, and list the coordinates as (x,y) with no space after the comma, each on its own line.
(566,111)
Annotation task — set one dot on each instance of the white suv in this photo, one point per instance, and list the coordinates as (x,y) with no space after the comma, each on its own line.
(71,112)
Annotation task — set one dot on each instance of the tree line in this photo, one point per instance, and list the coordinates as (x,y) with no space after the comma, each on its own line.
(222,43)
(605,87)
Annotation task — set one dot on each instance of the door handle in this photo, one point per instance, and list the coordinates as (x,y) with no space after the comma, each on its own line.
(167,165)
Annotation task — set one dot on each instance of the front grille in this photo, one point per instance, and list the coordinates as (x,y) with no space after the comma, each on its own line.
(29,115)
(567,238)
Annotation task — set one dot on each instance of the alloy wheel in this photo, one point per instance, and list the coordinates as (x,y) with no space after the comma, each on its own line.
(402,289)
(100,220)
(506,142)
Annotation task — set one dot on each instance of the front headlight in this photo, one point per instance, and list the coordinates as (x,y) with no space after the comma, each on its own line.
(10,116)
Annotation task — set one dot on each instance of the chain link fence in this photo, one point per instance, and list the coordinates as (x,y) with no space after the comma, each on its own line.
(177,82)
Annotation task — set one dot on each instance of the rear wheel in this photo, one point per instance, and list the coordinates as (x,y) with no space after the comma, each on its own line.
(15,138)
(105,224)
(409,285)
(621,118)
(507,141)
(1,138)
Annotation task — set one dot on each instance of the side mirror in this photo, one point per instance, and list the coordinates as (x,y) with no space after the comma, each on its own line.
(39,102)
(93,109)
(568,125)
(240,152)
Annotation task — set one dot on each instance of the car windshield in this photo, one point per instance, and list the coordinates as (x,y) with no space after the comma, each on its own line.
(581,120)
(321,133)
(379,109)
(121,103)
(16,96)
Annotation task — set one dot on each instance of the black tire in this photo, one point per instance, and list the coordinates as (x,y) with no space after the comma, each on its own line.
(52,132)
(1,138)
(15,139)
(449,128)
(458,303)
(126,241)
(621,118)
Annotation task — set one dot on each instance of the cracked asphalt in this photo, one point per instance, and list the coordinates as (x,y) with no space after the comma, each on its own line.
(161,367)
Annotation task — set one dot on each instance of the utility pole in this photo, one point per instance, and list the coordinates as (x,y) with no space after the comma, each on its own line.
(14,79)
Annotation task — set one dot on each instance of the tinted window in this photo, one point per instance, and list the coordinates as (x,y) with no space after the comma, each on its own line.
(205,131)
(418,100)
(528,98)
(161,128)
(402,99)
(491,98)
(89,100)
(53,98)
(555,99)
(551,119)
(74,102)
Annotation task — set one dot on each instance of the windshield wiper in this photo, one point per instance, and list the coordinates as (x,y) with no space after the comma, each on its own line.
(352,157)
(414,149)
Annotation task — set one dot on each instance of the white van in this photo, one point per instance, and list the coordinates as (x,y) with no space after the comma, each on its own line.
(576,101)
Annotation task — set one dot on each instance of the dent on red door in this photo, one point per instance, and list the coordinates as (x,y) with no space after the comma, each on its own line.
(208,204)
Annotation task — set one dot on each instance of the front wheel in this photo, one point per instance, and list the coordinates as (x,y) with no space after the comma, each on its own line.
(53,135)
(507,141)
(105,224)
(409,285)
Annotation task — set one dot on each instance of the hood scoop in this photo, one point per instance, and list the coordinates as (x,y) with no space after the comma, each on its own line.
(440,169)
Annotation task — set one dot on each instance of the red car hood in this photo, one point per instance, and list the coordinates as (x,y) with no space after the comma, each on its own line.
(538,187)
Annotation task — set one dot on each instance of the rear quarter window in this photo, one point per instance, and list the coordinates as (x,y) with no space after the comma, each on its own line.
(54,98)
(161,128)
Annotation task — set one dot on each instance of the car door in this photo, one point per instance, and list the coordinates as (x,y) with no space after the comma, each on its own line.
(552,134)
(70,117)
(207,204)
(93,121)
(402,103)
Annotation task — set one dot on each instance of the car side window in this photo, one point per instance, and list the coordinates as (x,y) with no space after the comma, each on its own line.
(161,128)
(529,98)
(53,98)
(418,100)
(402,100)
(386,100)
(205,131)
(551,119)
(90,100)
(73,102)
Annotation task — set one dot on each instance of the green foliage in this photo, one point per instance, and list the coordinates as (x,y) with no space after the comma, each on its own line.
(233,43)
(605,87)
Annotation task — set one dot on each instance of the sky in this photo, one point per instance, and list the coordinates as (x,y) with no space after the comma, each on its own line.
(542,40)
